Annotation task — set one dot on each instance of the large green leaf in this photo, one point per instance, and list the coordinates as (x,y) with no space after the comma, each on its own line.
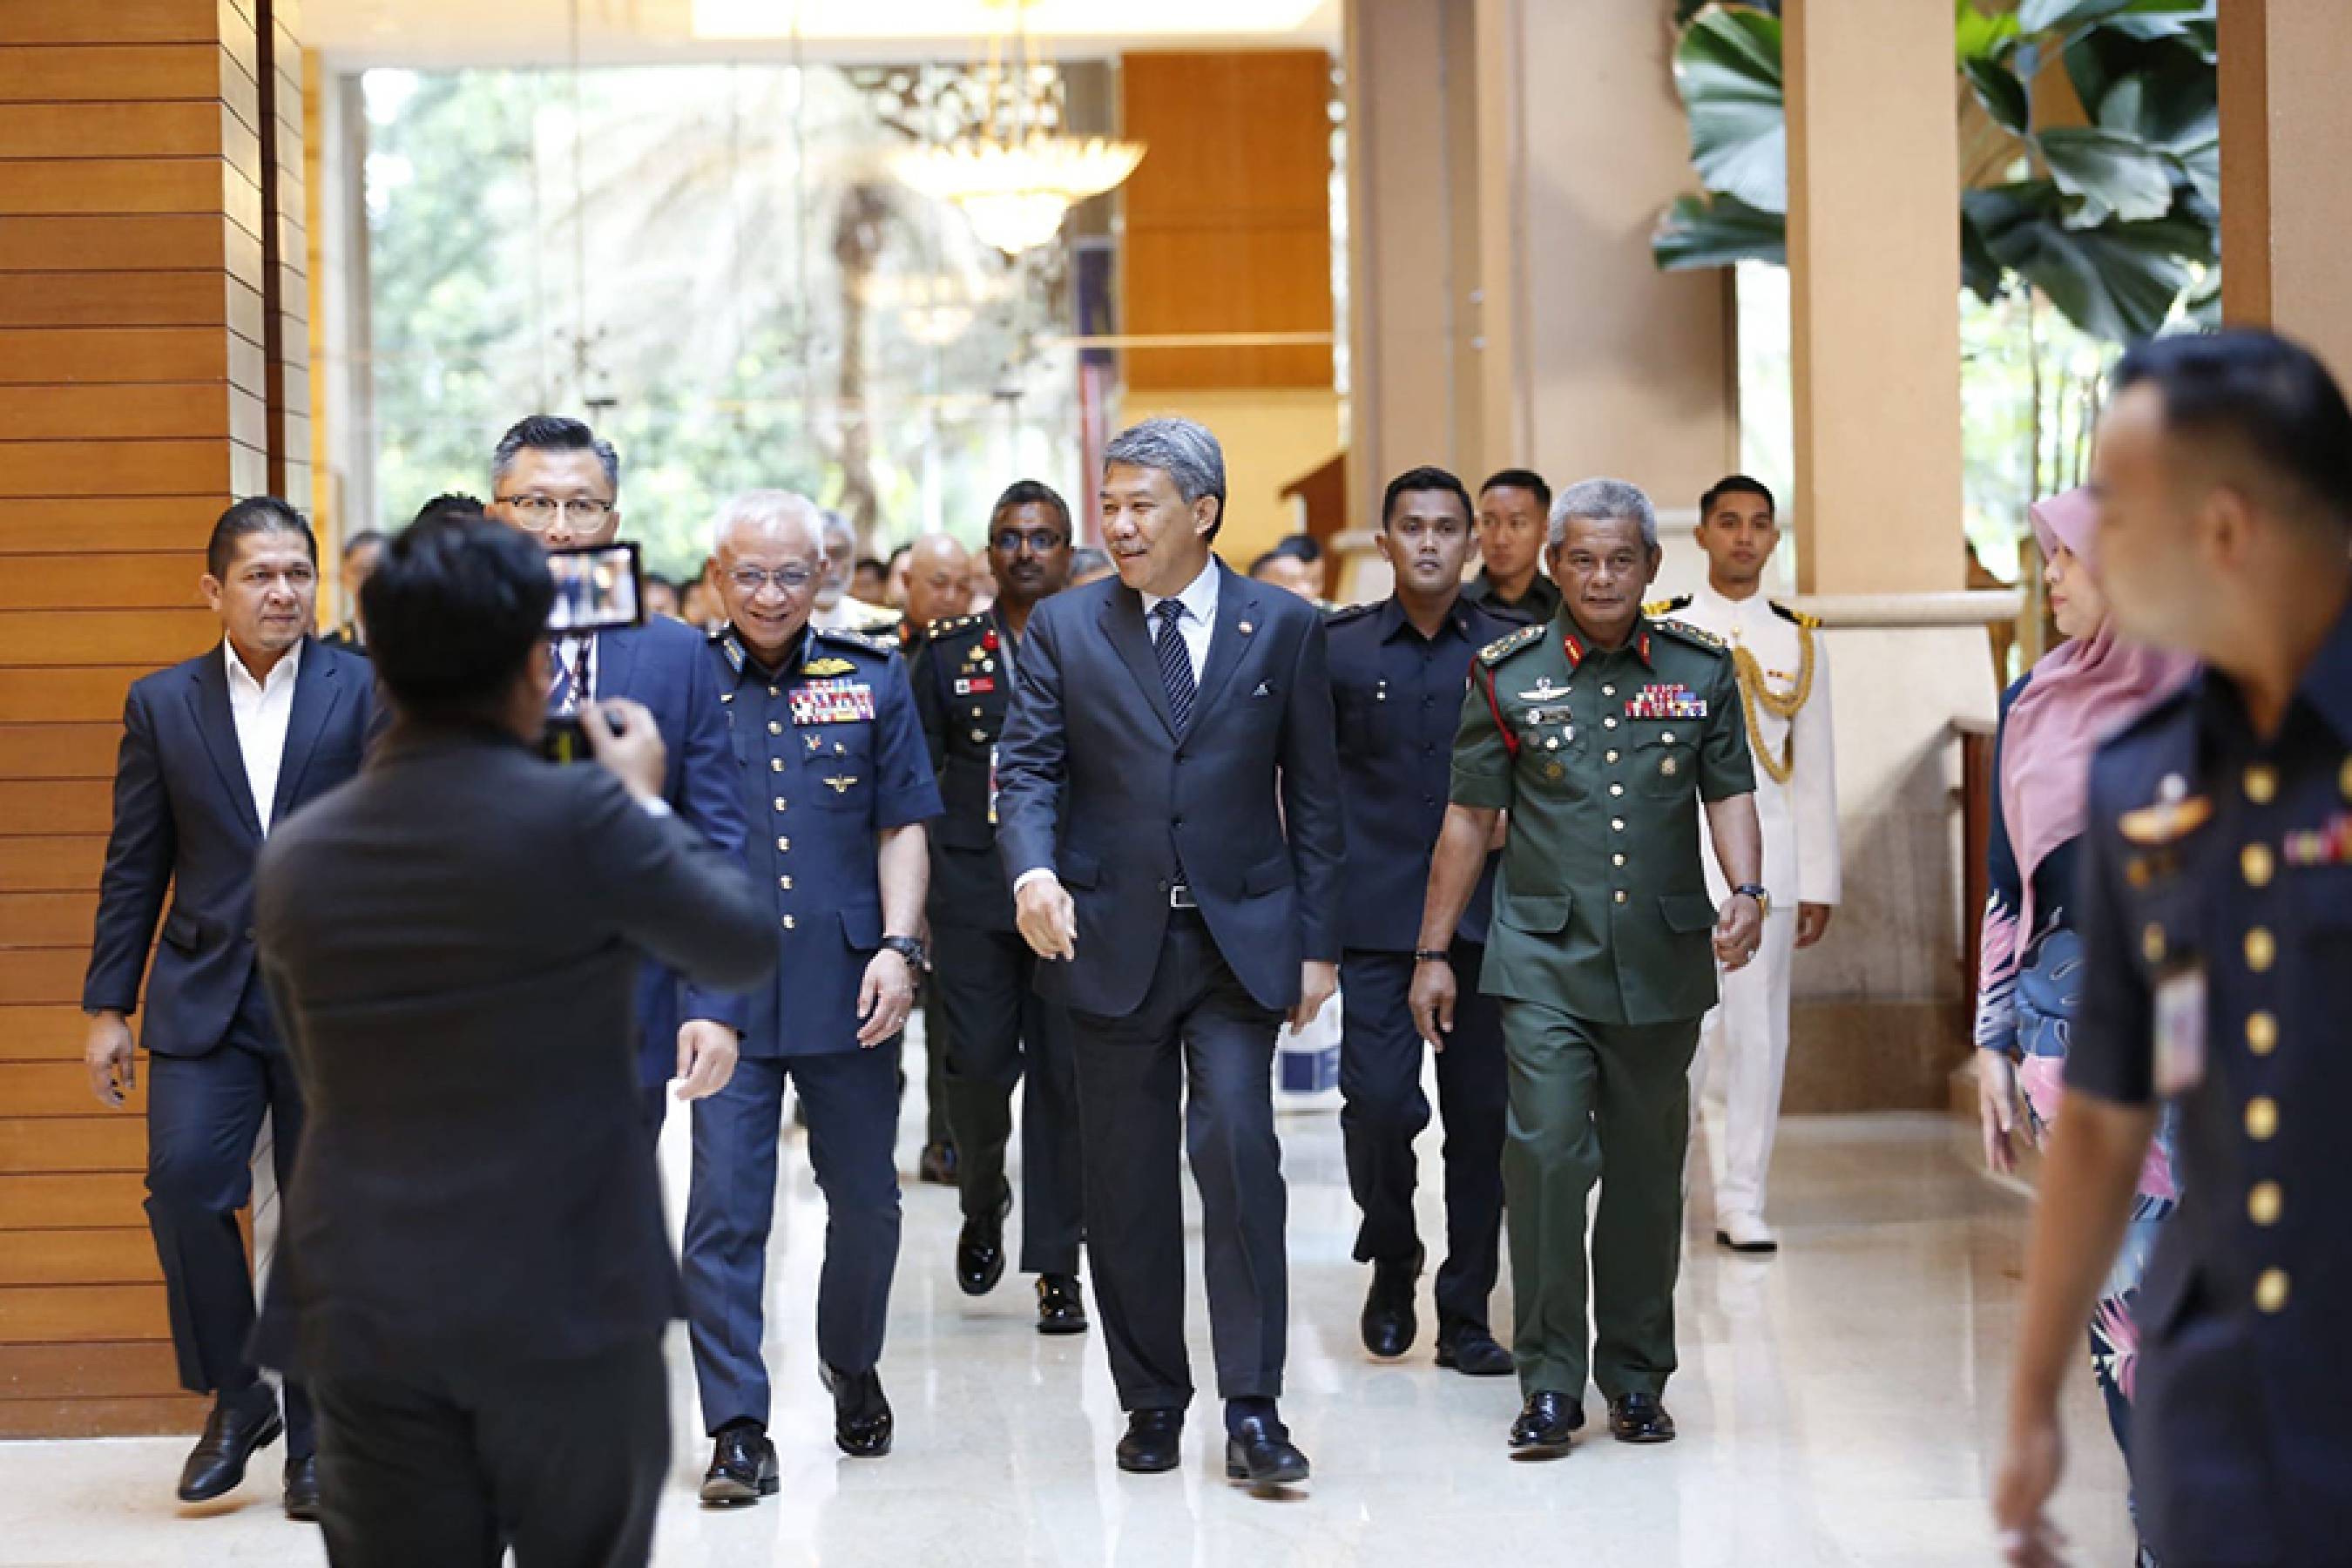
(1981,35)
(2118,281)
(2163,91)
(1728,69)
(2111,174)
(1702,231)
(2002,95)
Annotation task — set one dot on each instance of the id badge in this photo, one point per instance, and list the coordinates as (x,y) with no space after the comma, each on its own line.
(2181,1030)
(992,786)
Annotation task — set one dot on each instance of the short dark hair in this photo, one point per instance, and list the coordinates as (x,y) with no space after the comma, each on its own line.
(2268,395)
(552,432)
(1736,485)
(1429,477)
(1526,479)
(1298,547)
(454,611)
(255,514)
(867,564)
(1265,558)
(1032,492)
(1086,557)
(361,541)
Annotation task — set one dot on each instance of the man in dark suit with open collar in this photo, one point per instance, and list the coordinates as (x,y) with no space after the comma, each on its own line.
(215,754)
(1169,813)
(553,480)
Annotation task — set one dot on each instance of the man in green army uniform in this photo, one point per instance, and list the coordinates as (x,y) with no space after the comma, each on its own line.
(1598,733)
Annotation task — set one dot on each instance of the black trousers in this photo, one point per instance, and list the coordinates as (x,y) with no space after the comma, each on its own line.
(1001,1034)
(1384,1109)
(563,1460)
(1199,1040)
(204,1117)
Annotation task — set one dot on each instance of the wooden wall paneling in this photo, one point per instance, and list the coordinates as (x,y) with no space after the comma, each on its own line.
(41,865)
(188,410)
(42,357)
(179,1412)
(167,242)
(110,1369)
(44,919)
(54,1145)
(36,1203)
(111,73)
(104,467)
(119,1255)
(91,694)
(50,1034)
(83,526)
(97,582)
(57,750)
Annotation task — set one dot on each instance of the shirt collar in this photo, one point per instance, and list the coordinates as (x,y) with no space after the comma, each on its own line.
(2325,687)
(279,673)
(1394,623)
(1199,596)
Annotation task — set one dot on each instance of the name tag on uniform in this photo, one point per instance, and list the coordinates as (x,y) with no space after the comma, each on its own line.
(2181,1030)
(832,703)
(973,685)
(1667,701)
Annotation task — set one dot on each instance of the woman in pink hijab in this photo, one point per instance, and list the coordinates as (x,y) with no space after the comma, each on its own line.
(2052,718)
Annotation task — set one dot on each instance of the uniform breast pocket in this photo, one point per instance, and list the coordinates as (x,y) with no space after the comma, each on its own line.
(1361,720)
(1665,763)
(1554,761)
(839,765)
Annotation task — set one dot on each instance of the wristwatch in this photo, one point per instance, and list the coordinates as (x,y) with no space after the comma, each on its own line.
(1756,891)
(1431,955)
(908,948)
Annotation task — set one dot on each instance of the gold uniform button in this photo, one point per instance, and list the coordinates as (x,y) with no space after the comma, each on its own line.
(774,692)
(2261,950)
(1616,789)
(2256,861)
(785,883)
(2262,1033)
(774,728)
(980,737)
(1608,724)
(2344,778)
(2262,784)
(2138,874)
(1620,895)
(2261,1118)
(1616,824)
(1555,769)
(2270,1290)
(788,922)
(2152,945)
(1612,756)
(2263,1203)
(780,803)
(1617,859)
(783,846)
(775,764)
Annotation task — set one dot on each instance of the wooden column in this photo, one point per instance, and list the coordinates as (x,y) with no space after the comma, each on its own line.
(135,268)
(2287,187)
(1875,278)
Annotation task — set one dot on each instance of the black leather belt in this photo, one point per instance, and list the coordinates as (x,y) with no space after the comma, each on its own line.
(1180,897)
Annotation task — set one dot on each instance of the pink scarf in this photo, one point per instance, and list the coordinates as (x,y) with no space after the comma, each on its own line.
(2078,693)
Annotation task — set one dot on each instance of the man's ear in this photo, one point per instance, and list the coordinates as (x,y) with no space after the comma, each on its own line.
(1206,512)
(210,587)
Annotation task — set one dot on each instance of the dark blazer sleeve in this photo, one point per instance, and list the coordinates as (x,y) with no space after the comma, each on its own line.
(1033,752)
(709,802)
(671,892)
(139,853)
(1312,816)
(930,709)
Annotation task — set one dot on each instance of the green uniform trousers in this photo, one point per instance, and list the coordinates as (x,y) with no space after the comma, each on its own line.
(1606,1102)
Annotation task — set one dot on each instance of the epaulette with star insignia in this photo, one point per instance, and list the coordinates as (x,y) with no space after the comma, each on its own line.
(948,625)
(1697,637)
(1810,623)
(1340,614)
(871,642)
(1656,608)
(1501,648)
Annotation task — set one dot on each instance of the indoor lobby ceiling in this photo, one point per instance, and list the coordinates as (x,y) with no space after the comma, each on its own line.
(445,33)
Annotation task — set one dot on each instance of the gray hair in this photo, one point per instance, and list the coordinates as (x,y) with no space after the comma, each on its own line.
(769,509)
(1182,448)
(1601,501)
(553,433)
(834,524)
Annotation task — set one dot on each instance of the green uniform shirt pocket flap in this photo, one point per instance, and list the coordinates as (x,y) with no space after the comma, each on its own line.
(1542,913)
(1687,912)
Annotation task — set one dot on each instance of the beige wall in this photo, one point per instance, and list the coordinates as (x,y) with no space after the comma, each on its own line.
(2286,184)
(1271,437)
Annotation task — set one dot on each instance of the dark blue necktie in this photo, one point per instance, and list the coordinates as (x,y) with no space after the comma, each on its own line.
(1175,664)
(1176,674)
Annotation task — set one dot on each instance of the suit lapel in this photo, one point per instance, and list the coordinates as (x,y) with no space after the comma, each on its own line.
(615,660)
(316,692)
(1236,603)
(1122,622)
(216,722)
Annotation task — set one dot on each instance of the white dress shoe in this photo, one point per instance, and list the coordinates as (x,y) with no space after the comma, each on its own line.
(1745,1233)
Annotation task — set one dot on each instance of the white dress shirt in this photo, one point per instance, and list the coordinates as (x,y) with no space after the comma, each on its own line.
(568,661)
(1199,599)
(262,710)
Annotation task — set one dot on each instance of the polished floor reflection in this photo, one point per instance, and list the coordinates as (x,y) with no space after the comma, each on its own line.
(1840,1403)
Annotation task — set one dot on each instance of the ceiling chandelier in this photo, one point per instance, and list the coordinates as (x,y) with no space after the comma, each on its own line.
(1017,176)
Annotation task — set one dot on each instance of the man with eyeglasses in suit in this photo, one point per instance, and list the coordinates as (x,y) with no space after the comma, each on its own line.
(552,478)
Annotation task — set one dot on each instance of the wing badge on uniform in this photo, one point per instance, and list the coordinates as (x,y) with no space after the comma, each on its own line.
(2166,822)
(827,666)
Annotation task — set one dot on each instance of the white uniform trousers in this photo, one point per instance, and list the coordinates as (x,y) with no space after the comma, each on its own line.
(1744,1046)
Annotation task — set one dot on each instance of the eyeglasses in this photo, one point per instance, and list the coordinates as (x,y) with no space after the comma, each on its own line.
(1041,542)
(791,579)
(539,513)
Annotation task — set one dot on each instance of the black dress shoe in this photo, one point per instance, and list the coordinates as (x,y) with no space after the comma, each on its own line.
(938,1165)
(980,1250)
(861,1415)
(233,1432)
(302,1489)
(1640,1419)
(1470,1350)
(1154,1441)
(743,1465)
(1545,1426)
(1389,1324)
(1061,1310)
(1258,1451)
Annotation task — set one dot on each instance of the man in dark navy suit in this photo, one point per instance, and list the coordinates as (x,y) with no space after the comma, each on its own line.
(1169,813)
(1398,670)
(555,481)
(215,752)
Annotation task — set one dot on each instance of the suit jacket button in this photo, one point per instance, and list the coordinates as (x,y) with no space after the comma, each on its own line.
(250,934)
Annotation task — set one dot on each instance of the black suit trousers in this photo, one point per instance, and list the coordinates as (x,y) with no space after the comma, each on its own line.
(1383,1109)
(1001,1034)
(563,1460)
(1199,1039)
(204,1117)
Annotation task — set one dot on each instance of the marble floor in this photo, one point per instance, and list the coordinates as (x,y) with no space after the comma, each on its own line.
(1838,1404)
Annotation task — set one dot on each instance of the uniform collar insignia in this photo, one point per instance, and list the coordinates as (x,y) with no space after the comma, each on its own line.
(730,646)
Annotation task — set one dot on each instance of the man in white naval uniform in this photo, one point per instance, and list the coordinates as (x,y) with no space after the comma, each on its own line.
(1784,686)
